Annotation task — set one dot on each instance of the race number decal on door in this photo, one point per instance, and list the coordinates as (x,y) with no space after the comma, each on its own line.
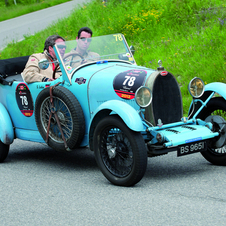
(24,100)
(126,83)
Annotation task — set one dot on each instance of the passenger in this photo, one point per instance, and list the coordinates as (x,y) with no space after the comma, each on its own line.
(82,55)
(32,72)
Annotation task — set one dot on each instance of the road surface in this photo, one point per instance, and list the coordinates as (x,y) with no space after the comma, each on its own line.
(42,187)
(15,29)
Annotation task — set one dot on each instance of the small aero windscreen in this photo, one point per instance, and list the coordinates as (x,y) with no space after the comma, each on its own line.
(96,49)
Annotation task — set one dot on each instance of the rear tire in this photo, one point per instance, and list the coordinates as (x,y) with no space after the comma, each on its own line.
(120,152)
(4,150)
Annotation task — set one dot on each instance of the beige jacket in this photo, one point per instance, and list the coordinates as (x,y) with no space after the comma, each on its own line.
(32,72)
(75,60)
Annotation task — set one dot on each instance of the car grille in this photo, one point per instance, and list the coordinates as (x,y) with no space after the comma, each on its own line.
(167,102)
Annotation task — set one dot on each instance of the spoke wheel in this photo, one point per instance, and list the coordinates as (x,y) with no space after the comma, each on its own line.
(216,106)
(70,115)
(64,116)
(120,152)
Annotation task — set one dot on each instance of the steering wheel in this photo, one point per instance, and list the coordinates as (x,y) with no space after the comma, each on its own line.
(65,57)
(54,71)
(73,54)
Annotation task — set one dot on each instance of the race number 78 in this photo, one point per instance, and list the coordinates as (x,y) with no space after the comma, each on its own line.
(118,37)
(24,100)
(129,80)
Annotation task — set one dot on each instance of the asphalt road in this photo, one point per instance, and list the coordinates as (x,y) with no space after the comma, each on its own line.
(42,187)
(15,29)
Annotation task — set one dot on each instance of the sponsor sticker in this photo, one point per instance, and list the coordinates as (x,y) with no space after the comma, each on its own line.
(128,55)
(126,83)
(24,100)
(80,80)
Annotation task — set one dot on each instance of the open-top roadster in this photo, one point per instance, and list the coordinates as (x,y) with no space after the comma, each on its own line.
(123,112)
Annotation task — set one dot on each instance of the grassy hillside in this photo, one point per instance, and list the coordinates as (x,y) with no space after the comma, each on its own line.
(187,35)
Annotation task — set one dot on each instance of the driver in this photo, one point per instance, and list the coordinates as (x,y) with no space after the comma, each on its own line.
(82,55)
(32,72)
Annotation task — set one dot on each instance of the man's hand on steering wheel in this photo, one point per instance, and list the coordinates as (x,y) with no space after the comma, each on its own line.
(50,79)
(54,72)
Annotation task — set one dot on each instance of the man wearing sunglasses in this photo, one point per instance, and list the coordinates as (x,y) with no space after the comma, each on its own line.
(32,72)
(82,55)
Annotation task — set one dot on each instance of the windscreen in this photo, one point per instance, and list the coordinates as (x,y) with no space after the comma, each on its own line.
(97,49)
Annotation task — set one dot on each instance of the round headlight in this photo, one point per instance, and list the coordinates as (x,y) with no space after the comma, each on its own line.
(196,87)
(143,96)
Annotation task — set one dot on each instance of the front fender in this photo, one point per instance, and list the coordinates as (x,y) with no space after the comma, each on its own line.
(6,126)
(217,87)
(127,113)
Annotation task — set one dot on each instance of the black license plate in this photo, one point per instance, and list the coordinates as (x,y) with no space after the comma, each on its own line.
(191,148)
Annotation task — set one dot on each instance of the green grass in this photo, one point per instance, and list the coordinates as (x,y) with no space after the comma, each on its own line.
(187,35)
(20,9)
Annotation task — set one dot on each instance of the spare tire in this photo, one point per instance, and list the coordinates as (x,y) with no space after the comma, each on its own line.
(70,114)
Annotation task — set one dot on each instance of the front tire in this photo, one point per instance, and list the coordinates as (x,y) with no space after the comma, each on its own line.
(216,106)
(120,152)
(4,150)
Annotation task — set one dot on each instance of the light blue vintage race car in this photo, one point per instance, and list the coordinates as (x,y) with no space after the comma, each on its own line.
(123,112)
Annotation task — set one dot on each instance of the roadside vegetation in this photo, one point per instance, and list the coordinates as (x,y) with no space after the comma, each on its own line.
(13,8)
(188,36)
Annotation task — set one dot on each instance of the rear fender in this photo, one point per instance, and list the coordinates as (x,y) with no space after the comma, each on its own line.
(6,126)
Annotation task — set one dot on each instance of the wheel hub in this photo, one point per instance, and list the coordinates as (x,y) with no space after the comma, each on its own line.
(61,116)
(111,151)
(219,125)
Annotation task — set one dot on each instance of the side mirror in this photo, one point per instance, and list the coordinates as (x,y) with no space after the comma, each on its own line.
(132,49)
(43,64)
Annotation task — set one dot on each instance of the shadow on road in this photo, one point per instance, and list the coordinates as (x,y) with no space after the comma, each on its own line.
(167,167)
(37,153)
